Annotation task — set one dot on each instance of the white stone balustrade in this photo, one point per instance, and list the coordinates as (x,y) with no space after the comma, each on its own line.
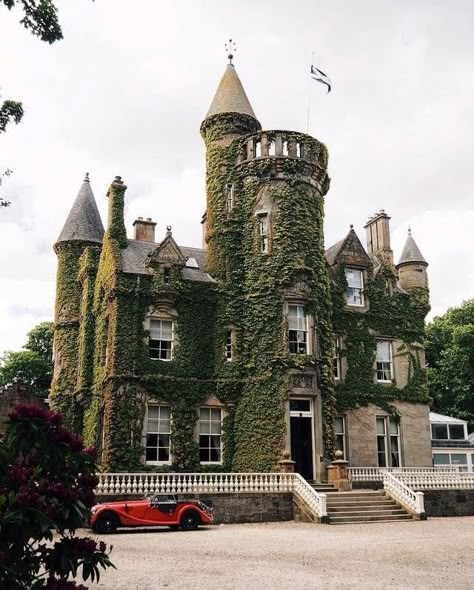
(117,484)
(399,491)
(358,474)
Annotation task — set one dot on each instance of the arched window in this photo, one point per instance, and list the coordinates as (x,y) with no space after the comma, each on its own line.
(271,148)
(285,148)
(258,149)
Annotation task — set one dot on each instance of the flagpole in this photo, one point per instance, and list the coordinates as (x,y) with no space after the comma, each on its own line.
(309,95)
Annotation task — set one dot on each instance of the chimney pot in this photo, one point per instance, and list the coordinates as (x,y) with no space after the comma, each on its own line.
(144,229)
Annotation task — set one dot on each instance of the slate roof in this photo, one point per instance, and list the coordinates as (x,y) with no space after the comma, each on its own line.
(411,252)
(333,251)
(83,222)
(134,256)
(230,96)
(442,419)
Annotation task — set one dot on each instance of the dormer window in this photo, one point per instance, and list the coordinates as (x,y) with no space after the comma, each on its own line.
(161,340)
(230,197)
(355,286)
(263,232)
(297,330)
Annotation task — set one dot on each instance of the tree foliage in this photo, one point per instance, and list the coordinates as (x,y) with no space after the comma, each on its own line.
(450,358)
(47,482)
(40,17)
(32,367)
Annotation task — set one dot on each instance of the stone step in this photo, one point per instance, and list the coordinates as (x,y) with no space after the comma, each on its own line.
(337,502)
(346,507)
(377,518)
(385,521)
(344,497)
(349,513)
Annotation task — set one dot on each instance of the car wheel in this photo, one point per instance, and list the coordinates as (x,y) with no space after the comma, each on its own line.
(106,524)
(189,521)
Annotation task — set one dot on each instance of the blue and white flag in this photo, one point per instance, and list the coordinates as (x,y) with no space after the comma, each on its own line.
(321,77)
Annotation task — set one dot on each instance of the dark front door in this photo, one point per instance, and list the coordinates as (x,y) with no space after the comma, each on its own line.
(302,445)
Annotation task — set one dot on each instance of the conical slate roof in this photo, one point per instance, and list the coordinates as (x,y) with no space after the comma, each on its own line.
(230,96)
(83,222)
(411,252)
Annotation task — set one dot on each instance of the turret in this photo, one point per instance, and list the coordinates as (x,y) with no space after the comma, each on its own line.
(83,231)
(412,266)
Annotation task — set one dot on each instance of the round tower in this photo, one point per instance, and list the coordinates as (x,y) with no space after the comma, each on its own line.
(83,229)
(412,266)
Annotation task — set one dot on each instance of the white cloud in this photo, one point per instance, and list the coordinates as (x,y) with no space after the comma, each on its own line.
(126,90)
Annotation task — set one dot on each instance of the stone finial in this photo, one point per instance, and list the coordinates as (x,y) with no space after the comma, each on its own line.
(351,226)
(339,455)
(230,49)
(409,231)
(168,231)
(86,177)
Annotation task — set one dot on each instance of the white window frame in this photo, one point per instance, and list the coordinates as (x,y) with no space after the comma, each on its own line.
(158,433)
(355,294)
(448,429)
(387,441)
(210,433)
(341,435)
(229,345)
(337,365)
(381,364)
(299,329)
(158,348)
(263,232)
(461,466)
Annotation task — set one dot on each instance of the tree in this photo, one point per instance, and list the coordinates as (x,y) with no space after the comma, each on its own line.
(32,367)
(450,360)
(47,481)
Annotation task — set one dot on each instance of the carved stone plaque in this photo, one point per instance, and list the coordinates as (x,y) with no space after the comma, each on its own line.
(302,381)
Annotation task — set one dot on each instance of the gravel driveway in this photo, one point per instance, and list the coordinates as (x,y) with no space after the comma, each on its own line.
(434,554)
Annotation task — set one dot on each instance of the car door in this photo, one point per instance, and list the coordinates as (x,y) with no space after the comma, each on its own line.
(162,510)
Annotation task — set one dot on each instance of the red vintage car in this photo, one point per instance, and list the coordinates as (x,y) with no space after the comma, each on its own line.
(160,510)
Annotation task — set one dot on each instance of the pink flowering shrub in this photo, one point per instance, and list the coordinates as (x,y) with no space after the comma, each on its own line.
(47,481)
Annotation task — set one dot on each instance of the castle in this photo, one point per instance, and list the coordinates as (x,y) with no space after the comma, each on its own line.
(177,358)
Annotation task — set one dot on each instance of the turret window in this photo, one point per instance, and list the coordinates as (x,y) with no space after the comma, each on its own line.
(229,345)
(230,197)
(258,149)
(161,339)
(384,361)
(285,148)
(297,329)
(263,232)
(271,148)
(355,286)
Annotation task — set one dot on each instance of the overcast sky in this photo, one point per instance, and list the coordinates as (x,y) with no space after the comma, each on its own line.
(126,90)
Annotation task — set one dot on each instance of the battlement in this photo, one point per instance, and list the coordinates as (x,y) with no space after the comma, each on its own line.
(282,144)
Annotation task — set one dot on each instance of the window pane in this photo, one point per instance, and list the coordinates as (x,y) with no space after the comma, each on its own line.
(383,350)
(382,459)
(151,440)
(151,454)
(441,459)
(163,454)
(381,444)
(380,425)
(354,278)
(204,413)
(393,427)
(439,431)
(216,414)
(204,427)
(458,459)
(216,427)
(339,425)
(300,405)
(456,431)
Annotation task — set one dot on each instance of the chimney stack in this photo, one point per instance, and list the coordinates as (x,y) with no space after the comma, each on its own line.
(144,229)
(378,236)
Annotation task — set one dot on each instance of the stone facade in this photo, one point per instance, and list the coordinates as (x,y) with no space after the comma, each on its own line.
(182,358)
(449,502)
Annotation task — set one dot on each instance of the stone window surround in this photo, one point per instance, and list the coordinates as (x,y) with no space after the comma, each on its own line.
(387,419)
(162,311)
(392,364)
(211,407)
(211,402)
(312,340)
(155,402)
(363,272)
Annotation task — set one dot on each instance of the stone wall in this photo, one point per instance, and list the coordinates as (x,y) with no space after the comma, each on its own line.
(449,502)
(237,508)
(12,395)
(415,435)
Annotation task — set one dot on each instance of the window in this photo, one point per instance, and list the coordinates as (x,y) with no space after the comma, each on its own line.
(210,435)
(388,442)
(285,148)
(263,232)
(271,148)
(297,330)
(337,357)
(445,432)
(340,435)
(161,340)
(458,460)
(258,149)
(229,345)
(299,150)
(355,285)
(384,361)
(230,197)
(158,434)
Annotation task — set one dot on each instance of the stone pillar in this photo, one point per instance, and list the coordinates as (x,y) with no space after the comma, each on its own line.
(338,474)
(286,465)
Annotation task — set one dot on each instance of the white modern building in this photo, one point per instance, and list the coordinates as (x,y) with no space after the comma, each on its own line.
(451,444)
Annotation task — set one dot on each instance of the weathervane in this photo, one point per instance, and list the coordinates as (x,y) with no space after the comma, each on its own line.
(231,49)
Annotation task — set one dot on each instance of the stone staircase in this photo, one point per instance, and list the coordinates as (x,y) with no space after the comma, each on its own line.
(362,506)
